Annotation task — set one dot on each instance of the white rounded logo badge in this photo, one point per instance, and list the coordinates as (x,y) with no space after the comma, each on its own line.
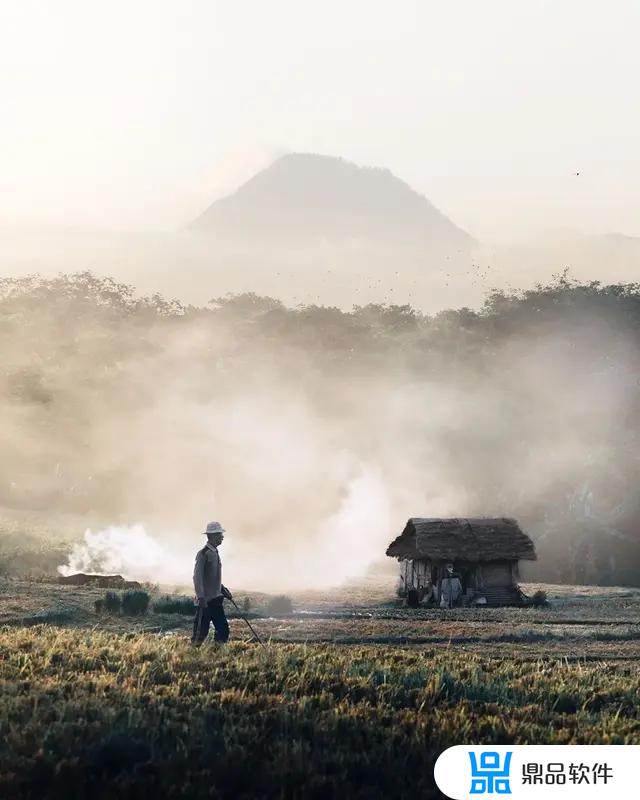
(571,772)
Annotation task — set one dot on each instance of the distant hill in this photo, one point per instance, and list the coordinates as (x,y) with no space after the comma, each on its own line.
(303,197)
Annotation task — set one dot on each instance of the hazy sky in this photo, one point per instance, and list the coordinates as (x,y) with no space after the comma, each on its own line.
(139,113)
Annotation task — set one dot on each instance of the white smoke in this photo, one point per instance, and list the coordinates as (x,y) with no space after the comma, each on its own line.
(355,535)
(126,550)
(345,544)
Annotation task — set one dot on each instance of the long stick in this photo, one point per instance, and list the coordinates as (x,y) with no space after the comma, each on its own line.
(251,628)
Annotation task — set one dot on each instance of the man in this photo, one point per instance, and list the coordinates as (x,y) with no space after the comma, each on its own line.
(207,582)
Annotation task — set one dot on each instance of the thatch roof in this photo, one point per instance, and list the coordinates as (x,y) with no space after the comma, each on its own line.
(475,540)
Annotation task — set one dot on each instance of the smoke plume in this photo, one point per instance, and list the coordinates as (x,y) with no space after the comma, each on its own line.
(312,434)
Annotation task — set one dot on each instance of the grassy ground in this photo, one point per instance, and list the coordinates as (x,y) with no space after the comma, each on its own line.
(581,622)
(356,697)
(91,713)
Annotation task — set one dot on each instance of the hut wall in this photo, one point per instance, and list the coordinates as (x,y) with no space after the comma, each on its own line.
(422,572)
(418,573)
(406,574)
(415,573)
(497,573)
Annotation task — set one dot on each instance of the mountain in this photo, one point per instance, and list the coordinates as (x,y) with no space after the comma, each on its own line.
(305,197)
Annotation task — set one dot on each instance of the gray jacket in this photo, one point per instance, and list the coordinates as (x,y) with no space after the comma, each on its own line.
(450,591)
(207,573)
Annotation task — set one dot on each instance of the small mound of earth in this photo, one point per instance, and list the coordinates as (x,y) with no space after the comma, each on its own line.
(101,581)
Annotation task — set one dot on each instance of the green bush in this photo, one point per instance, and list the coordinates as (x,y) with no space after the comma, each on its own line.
(112,603)
(174,605)
(135,602)
(280,604)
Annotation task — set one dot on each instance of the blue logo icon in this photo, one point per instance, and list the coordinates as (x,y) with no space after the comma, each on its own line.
(489,777)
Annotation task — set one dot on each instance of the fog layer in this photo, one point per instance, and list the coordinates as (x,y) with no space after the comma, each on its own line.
(313,434)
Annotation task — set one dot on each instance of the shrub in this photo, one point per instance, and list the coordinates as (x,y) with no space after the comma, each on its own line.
(99,605)
(112,603)
(135,601)
(174,605)
(280,604)
(539,599)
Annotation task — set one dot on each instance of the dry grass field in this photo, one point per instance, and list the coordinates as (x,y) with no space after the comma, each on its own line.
(354,691)
(580,622)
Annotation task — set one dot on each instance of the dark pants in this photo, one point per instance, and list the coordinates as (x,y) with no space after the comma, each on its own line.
(214,612)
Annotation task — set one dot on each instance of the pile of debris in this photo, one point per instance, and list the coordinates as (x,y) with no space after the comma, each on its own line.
(100,581)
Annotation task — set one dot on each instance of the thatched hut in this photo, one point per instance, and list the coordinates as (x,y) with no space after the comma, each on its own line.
(484,553)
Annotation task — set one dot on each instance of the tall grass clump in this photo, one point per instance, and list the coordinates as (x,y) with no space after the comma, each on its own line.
(174,605)
(540,599)
(280,604)
(135,602)
(110,603)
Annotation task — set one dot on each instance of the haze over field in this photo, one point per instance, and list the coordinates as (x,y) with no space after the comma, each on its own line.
(337,179)
(315,229)
(315,433)
(124,124)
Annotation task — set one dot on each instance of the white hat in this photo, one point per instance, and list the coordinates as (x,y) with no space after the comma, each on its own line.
(214,527)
